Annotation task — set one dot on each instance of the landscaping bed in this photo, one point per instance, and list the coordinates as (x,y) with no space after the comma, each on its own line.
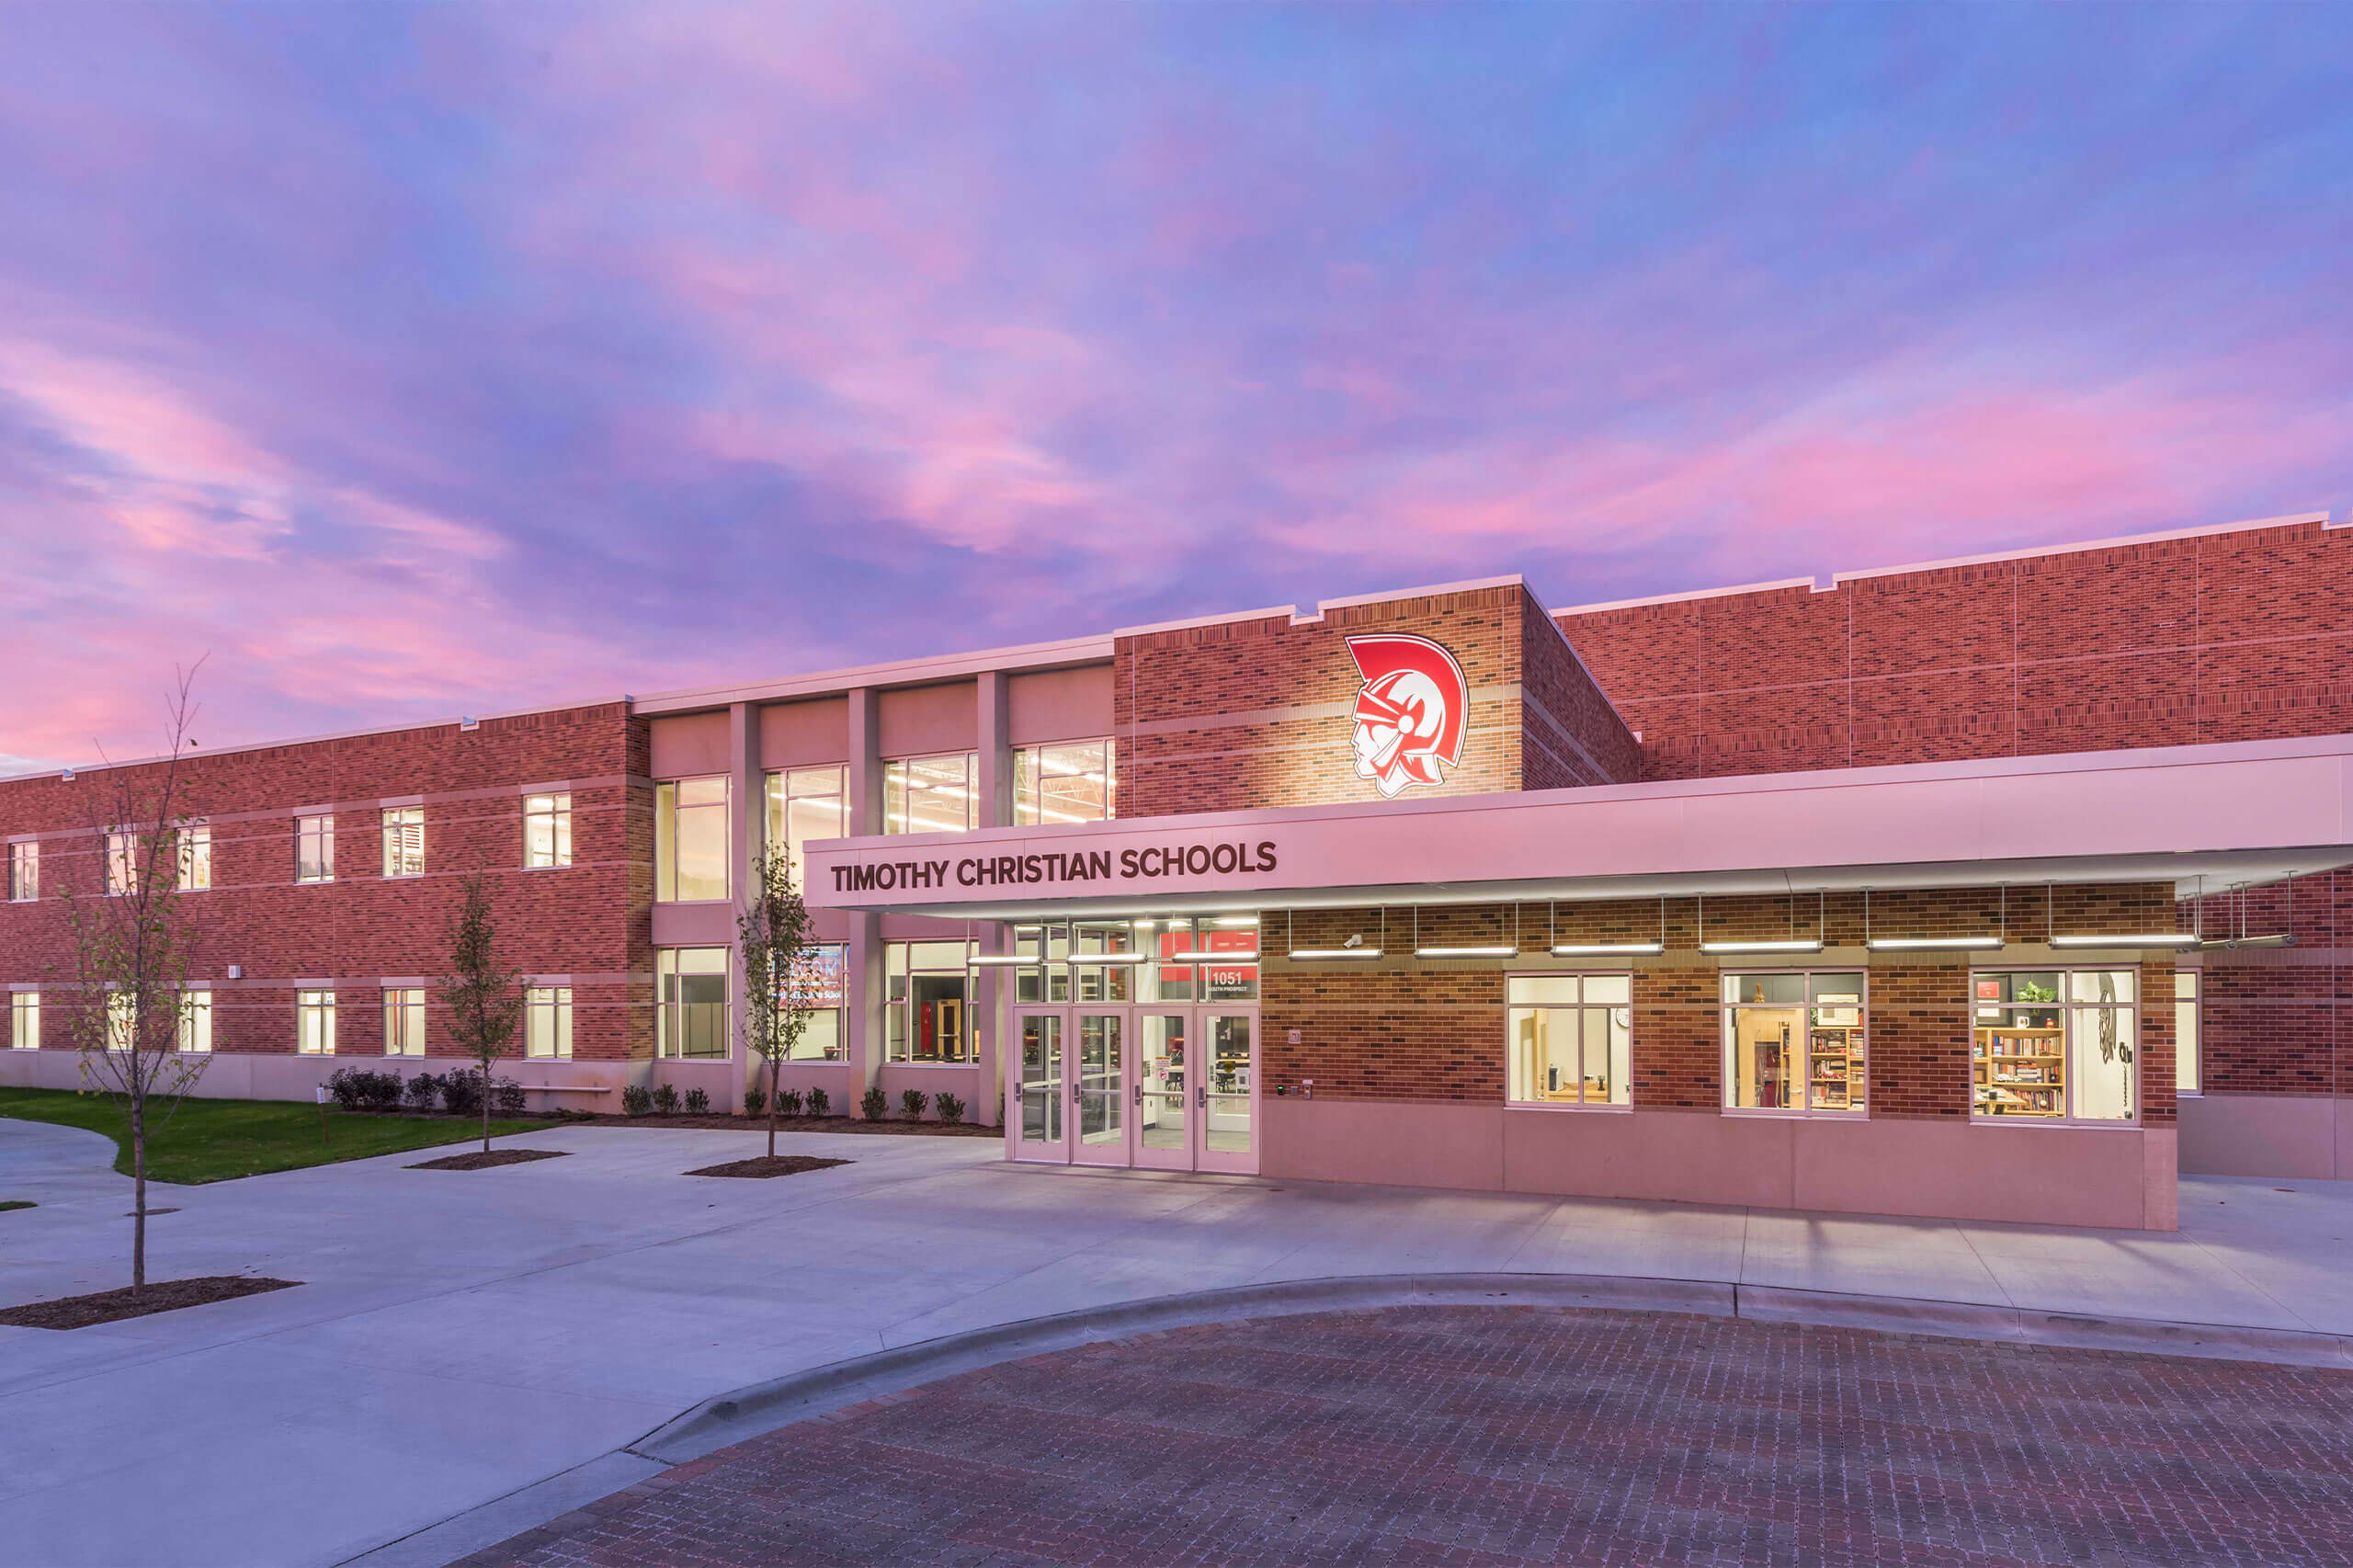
(113,1306)
(764,1165)
(483,1160)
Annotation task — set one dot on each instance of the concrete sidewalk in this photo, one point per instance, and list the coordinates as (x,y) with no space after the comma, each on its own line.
(462,1337)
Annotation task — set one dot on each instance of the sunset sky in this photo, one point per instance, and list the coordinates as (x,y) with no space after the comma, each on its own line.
(409,361)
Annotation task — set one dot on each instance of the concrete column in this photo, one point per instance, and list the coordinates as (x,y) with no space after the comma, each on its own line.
(863,984)
(996,811)
(745,803)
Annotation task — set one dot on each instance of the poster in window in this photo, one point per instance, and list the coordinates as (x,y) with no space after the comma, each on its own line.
(819,980)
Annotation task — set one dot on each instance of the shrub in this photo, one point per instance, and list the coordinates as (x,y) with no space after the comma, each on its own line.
(636,1099)
(911,1102)
(665,1099)
(875,1104)
(756,1101)
(462,1091)
(343,1085)
(697,1102)
(788,1102)
(952,1108)
(423,1090)
(820,1103)
(382,1091)
(507,1096)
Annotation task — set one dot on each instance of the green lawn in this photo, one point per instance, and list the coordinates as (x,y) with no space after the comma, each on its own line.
(220,1140)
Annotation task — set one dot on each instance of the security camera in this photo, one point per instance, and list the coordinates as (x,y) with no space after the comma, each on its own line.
(1355,941)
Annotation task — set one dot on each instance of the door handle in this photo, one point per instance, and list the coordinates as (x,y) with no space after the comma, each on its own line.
(1202,1096)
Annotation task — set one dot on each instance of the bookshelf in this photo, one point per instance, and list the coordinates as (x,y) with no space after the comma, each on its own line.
(2019,1070)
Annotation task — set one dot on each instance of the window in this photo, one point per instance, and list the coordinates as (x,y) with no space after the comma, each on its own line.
(806,804)
(2053,1045)
(404,1022)
(925,1015)
(315,1023)
(820,984)
(404,841)
(24,872)
(546,831)
(314,849)
(690,841)
(1210,958)
(122,860)
(122,1022)
(1570,1038)
(1794,1042)
(24,1020)
(196,857)
(1069,781)
(932,794)
(547,1021)
(2185,1031)
(692,1017)
(195,1022)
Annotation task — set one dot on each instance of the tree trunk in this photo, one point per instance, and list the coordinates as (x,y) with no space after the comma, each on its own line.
(773,1065)
(485,1107)
(139,1193)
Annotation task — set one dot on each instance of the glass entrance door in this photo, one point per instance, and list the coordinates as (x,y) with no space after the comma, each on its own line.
(1226,1098)
(1099,1089)
(1038,1112)
(1164,1128)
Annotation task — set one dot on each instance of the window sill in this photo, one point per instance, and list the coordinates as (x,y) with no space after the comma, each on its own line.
(1751,1113)
(674,903)
(964,1066)
(1572,1108)
(2059,1123)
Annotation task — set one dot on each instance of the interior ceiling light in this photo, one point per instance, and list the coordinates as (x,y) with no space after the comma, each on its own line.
(1250,957)
(2143,939)
(1110,958)
(1794,945)
(1928,944)
(1234,920)
(1593,950)
(1491,951)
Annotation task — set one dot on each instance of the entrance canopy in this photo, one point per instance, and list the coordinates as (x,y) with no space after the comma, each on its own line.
(2203,818)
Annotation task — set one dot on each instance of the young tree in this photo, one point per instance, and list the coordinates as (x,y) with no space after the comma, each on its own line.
(773,931)
(485,997)
(134,943)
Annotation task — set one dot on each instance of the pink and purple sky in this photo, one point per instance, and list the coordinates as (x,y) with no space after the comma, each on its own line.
(414,360)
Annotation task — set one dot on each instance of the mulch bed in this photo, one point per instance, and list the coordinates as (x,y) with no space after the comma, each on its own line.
(113,1306)
(782,1164)
(477,1161)
(795,1124)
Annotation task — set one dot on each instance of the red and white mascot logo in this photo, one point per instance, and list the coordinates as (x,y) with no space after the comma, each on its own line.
(1409,712)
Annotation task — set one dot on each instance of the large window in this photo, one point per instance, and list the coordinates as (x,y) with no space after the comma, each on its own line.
(1570,1038)
(547,1020)
(24,872)
(314,849)
(404,841)
(1793,1043)
(195,1022)
(2054,1045)
(820,984)
(24,1020)
(692,1019)
(122,860)
(805,803)
(315,1023)
(2185,1031)
(196,857)
(1067,781)
(405,1021)
(926,1017)
(1185,958)
(546,831)
(932,794)
(122,1022)
(690,841)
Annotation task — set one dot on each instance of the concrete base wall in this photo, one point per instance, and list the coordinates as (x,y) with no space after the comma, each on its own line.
(2268,1135)
(2116,1178)
(238,1075)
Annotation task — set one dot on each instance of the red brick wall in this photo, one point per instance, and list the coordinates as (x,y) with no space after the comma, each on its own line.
(588,920)
(1570,736)
(2223,637)
(2271,1018)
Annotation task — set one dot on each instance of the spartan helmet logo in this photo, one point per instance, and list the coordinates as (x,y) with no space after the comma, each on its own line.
(1409,713)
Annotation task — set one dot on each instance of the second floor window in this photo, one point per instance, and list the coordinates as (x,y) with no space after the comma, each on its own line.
(315,1023)
(1067,781)
(195,1022)
(404,1022)
(122,860)
(546,831)
(805,803)
(196,857)
(932,794)
(547,1022)
(24,872)
(690,841)
(404,841)
(314,849)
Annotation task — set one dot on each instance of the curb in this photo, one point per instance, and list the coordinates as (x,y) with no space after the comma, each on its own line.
(762,1407)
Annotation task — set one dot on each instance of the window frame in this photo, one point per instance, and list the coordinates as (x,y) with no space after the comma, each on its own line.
(899,1012)
(894,781)
(2190,1063)
(192,1033)
(1803,1073)
(319,828)
(121,863)
(668,1028)
(24,1009)
(24,870)
(404,861)
(557,815)
(314,1008)
(1580,1008)
(547,1023)
(838,1012)
(2068,1008)
(194,844)
(1030,778)
(667,810)
(404,1005)
(778,797)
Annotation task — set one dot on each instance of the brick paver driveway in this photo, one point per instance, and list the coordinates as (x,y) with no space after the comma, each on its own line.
(1498,1435)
